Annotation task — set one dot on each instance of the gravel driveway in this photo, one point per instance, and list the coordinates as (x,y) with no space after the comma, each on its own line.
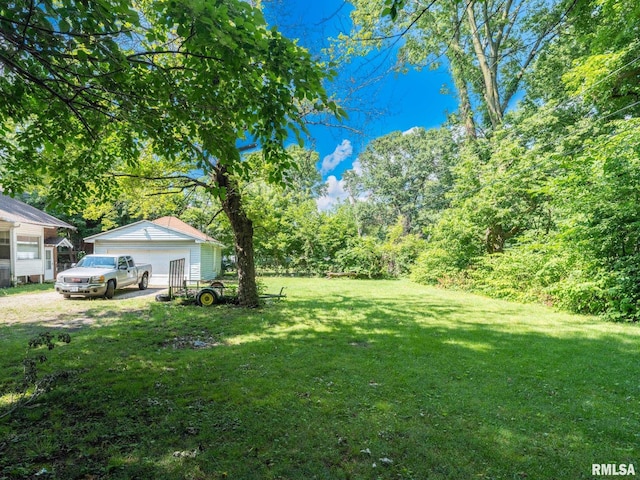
(51,309)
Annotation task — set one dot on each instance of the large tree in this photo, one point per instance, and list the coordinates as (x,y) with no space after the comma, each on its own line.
(408,173)
(488,45)
(196,81)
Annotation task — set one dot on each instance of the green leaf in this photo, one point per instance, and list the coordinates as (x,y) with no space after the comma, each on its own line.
(63,26)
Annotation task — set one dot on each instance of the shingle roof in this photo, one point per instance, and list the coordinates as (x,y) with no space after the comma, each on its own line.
(176,224)
(15,211)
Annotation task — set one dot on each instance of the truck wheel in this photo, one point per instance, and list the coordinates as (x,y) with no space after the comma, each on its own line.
(144,282)
(111,290)
(207,297)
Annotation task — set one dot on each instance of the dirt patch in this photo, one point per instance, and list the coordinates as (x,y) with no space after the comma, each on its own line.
(188,341)
(52,309)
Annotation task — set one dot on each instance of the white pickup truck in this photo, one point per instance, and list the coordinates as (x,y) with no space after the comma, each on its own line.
(101,275)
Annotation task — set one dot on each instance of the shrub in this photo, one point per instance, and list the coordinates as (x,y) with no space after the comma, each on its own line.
(363,257)
(580,293)
(623,289)
(523,273)
(611,289)
(401,253)
(437,265)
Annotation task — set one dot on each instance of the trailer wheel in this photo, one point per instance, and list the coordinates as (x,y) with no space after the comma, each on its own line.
(218,287)
(207,297)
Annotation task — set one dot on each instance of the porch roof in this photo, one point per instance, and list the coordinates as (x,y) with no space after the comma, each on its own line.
(15,211)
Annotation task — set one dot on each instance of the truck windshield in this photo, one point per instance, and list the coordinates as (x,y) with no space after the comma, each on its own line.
(97,262)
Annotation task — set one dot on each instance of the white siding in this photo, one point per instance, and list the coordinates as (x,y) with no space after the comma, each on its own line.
(28,267)
(207,272)
(195,263)
(217,261)
(211,262)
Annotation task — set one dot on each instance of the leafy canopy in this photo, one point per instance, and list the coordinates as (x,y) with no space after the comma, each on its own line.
(192,78)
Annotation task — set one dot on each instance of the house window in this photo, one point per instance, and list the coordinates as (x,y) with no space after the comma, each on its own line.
(5,250)
(28,248)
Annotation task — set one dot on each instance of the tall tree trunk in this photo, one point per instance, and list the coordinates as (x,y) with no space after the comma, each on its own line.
(466,112)
(456,60)
(488,64)
(243,238)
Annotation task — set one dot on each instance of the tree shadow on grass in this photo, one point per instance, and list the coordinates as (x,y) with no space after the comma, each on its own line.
(533,400)
(327,388)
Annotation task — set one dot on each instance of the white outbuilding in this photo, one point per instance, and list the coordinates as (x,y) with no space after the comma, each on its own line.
(158,242)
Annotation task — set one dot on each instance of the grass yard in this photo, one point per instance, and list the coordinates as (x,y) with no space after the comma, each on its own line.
(25,289)
(343,379)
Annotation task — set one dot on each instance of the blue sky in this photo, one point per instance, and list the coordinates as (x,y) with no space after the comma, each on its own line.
(402,101)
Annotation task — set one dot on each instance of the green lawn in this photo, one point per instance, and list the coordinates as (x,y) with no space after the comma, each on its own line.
(24,289)
(343,379)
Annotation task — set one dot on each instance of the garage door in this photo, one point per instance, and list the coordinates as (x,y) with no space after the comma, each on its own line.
(159,260)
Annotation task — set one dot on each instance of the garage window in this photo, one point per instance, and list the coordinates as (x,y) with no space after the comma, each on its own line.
(28,248)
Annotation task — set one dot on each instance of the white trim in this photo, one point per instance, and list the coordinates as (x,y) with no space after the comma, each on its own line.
(64,242)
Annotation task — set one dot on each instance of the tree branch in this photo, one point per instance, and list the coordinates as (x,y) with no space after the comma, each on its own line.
(214,216)
(545,36)
(26,24)
(189,181)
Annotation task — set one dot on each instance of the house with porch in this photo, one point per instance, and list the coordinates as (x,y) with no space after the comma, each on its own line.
(30,246)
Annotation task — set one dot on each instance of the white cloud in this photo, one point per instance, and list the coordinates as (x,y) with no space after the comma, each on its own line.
(357,167)
(335,193)
(336,190)
(411,131)
(341,153)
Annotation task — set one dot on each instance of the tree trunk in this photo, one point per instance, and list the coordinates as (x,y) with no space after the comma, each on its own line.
(243,239)
(466,112)
(488,67)
(456,60)
(496,237)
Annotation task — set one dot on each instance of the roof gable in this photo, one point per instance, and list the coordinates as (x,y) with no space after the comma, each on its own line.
(180,226)
(15,211)
(145,230)
(58,242)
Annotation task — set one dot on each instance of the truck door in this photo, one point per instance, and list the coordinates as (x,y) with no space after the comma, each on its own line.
(124,272)
(133,271)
